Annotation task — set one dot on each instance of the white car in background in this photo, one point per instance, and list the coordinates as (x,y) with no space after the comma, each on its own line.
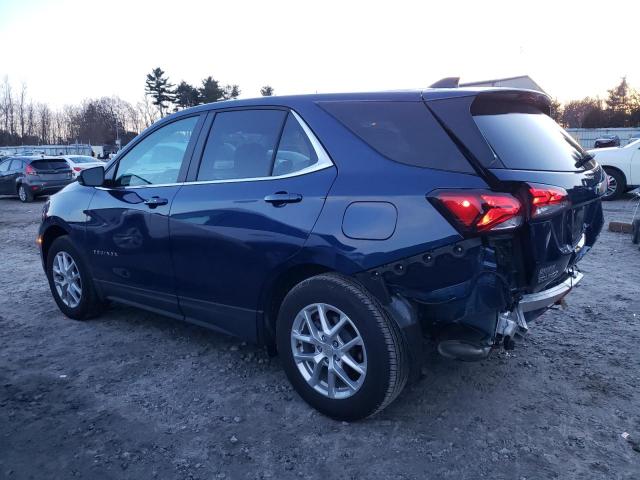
(81,162)
(622,165)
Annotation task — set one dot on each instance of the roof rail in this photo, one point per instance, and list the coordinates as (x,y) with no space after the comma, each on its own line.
(448,82)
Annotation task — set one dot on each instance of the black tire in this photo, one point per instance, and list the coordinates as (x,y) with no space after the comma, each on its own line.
(386,351)
(24,194)
(90,304)
(620,184)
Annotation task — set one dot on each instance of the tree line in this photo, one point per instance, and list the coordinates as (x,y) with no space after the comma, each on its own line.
(620,108)
(166,95)
(102,121)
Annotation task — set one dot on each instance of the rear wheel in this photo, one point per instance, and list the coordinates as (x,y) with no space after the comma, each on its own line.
(340,351)
(70,281)
(616,184)
(24,194)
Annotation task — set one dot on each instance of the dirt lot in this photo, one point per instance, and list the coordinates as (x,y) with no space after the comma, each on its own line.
(133,395)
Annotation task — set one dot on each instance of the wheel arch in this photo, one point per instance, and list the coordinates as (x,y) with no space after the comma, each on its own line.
(273,295)
(619,170)
(52,232)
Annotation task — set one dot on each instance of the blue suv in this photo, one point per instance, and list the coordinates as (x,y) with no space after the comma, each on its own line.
(338,230)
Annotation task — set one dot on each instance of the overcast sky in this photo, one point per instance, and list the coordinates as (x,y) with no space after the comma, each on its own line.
(67,50)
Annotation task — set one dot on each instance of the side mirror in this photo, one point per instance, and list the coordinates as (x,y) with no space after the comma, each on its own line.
(92,177)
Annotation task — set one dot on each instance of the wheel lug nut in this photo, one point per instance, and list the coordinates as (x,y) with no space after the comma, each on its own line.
(323,338)
(335,344)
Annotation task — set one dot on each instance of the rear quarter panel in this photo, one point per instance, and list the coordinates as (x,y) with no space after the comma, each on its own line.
(366,176)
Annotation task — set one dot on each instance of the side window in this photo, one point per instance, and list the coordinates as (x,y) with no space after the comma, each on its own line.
(295,151)
(241,144)
(15,165)
(157,158)
(4,166)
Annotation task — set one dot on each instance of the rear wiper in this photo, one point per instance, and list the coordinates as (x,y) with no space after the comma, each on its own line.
(584,158)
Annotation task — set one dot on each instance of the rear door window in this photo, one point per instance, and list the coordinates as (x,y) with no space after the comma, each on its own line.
(405,132)
(524,138)
(15,165)
(241,144)
(295,151)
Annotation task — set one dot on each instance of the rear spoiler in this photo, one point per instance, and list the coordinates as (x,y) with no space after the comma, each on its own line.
(448,88)
(447,82)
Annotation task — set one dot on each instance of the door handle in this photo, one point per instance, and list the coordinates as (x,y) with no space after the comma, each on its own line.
(154,202)
(280,199)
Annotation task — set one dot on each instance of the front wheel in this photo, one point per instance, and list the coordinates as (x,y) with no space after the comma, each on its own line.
(70,282)
(616,184)
(340,350)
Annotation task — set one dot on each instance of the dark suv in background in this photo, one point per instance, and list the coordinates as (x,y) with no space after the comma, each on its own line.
(339,230)
(31,176)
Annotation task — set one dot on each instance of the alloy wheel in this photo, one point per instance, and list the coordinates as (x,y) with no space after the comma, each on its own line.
(328,351)
(66,279)
(612,186)
(22,193)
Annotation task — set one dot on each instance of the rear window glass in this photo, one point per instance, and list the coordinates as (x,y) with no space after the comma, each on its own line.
(524,138)
(50,165)
(82,159)
(405,132)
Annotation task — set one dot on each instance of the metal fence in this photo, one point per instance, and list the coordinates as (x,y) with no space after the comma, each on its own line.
(587,136)
(74,149)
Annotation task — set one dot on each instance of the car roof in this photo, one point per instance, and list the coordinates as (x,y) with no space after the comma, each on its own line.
(392,95)
(31,158)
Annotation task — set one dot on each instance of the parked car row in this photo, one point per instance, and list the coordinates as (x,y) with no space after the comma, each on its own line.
(30,176)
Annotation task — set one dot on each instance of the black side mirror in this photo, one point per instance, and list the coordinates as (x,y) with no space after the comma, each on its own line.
(92,177)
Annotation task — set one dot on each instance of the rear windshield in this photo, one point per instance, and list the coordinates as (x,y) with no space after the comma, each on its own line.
(82,159)
(405,132)
(524,138)
(50,165)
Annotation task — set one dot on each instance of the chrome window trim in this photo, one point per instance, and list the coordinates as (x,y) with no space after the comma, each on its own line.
(324,161)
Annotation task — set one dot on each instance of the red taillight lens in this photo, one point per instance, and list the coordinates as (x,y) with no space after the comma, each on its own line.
(546,199)
(77,169)
(479,210)
(30,170)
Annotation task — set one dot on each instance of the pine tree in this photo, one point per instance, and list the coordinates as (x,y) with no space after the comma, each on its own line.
(230,91)
(210,90)
(157,86)
(266,91)
(186,95)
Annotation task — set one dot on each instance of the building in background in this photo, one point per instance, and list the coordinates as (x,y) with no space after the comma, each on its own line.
(523,81)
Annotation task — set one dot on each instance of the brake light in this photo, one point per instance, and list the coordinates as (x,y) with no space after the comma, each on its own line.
(30,170)
(77,169)
(547,200)
(475,211)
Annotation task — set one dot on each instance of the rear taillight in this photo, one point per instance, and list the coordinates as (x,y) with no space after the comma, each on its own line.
(29,170)
(547,200)
(77,169)
(475,211)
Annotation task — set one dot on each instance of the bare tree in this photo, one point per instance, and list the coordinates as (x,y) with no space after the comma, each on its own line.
(22,109)
(31,120)
(148,113)
(43,115)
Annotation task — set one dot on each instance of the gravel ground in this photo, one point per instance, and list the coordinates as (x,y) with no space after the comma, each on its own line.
(133,395)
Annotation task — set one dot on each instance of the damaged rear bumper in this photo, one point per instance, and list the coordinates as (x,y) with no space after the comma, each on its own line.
(476,312)
(546,298)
